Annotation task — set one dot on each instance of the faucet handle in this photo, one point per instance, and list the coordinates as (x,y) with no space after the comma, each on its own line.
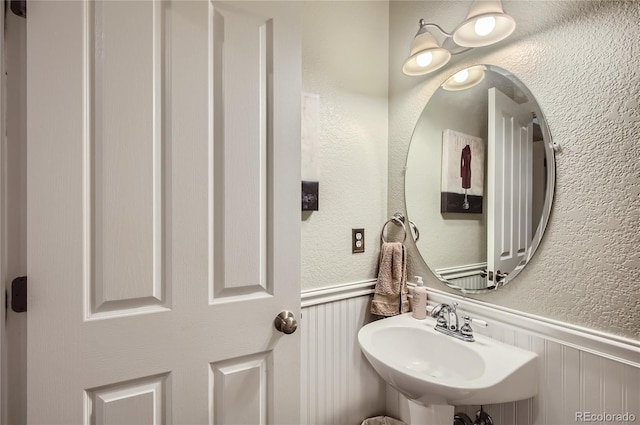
(468,320)
(478,322)
(465,329)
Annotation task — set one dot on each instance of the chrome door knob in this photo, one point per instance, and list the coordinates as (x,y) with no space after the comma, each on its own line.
(285,322)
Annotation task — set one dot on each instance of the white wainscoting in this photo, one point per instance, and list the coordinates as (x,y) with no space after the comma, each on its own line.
(581,370)
(339,387)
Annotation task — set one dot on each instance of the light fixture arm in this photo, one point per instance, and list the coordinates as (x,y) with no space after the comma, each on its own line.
(448,43)
(423,24)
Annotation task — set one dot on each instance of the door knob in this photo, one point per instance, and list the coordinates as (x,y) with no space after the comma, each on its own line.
(286,322)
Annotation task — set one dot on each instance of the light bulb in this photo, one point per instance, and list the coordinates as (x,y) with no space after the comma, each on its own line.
(424,59)
(484,26)
(461,77)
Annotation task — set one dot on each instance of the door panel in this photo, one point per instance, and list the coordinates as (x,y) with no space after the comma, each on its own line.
(242,117)
(510,176)
(124,164)
(143,401)
(163,173)
(239,390)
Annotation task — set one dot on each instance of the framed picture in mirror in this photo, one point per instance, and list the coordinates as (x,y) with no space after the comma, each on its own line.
(463,170)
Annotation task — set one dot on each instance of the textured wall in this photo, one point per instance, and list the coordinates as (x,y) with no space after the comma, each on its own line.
(345,61)
(579,59)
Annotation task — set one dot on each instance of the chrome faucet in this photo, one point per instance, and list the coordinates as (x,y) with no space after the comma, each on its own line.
(447,322)
(446,315)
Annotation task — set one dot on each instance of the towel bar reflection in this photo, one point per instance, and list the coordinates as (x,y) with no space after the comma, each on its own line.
(414,231)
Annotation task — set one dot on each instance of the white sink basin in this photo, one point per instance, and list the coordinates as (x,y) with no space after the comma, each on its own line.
(432,368)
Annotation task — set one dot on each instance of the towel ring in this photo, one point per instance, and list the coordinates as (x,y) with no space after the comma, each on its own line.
(396,220)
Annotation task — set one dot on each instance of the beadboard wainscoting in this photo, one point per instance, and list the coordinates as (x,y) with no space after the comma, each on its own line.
(580,370)
(338,385)
(468,276)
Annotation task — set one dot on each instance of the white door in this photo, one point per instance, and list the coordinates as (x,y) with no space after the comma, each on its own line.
(163,223)
(509,182)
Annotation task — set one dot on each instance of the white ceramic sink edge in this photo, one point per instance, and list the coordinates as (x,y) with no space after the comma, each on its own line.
(432,368)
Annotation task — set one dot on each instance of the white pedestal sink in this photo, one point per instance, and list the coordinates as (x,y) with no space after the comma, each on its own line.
(438,371)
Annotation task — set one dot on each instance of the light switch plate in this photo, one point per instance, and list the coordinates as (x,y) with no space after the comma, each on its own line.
(357,240)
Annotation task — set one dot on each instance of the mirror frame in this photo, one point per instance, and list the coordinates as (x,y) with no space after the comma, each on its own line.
(550,148)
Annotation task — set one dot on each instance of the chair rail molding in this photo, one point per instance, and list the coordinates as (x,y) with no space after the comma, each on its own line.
(342,291)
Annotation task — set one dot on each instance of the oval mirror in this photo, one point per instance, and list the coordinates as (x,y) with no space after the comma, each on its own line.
(479,179)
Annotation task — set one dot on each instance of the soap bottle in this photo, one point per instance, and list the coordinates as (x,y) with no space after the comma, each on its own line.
(419,300)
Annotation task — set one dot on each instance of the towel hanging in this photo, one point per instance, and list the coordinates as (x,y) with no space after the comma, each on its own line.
(391,293)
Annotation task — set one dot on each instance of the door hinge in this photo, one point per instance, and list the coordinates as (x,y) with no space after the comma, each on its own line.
(19,294)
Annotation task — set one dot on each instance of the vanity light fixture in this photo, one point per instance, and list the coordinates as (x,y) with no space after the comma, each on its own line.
(465,79)
(486,24)
(425,55)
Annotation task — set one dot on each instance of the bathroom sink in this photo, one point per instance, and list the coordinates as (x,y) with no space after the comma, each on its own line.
(429,367)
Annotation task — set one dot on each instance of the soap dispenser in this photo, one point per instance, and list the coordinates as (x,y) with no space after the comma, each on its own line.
(419,300)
